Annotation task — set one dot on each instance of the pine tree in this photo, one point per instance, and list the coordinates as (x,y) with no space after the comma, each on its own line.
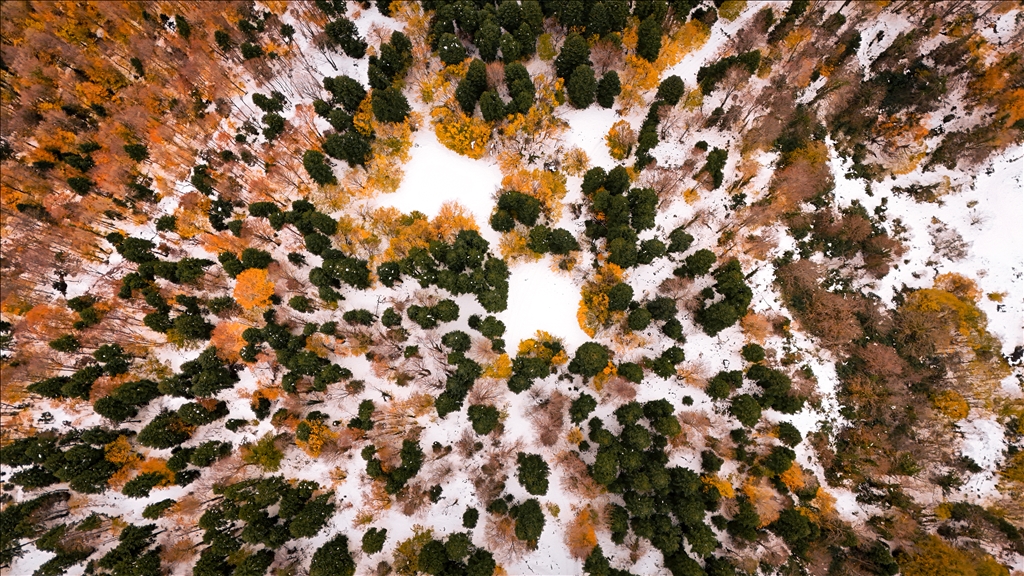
(581,87)
(648,43)
(608,88)
(575,52)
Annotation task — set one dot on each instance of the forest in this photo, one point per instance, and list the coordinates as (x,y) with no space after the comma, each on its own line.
(491,287)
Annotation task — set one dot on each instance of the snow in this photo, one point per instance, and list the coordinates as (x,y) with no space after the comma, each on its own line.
(986,210)
(436,175)
(540,299)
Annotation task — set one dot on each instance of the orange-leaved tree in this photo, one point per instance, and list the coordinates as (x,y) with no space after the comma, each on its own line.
(252,289)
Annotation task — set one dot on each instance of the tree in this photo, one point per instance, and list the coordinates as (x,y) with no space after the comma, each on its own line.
(671,90)
(752,352)
(581,408)
(575,53)
(491,106)
(450,49)
(620,296)
(350,146)
(472,87)
(697,264)
(483,417)
(590,359)
(746,409)
(529,520)
(252,289)
(166,430)
(313,517)
(373,540)
(648,43)
(346,91)
(639,319)
(533,473)
(333,559)
(389,105)
(581,86)
(470,518)
(608,88)
(316,166)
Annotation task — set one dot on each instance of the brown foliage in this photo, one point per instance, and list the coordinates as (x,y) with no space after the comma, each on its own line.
(575,477)
(549,418)
(580,536)
(827,315)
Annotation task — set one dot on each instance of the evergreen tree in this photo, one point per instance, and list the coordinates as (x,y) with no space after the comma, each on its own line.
(333,559)
(590,359)
(450,49)
(648,43)
(484,418)
(608,88)
(529,520)
(671,90)
(389,105)
(472,86)
(533,473)
(581,86)
(373,540)
(575,53)
(316,166)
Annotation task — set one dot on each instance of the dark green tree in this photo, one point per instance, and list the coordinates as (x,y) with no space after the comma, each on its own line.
(529,520)
(533,473)
(608,88)
(483,417)
(373,540)
(648,43)
(581,86)
(590,359)
(575,53)
(333,559)
(389,105)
